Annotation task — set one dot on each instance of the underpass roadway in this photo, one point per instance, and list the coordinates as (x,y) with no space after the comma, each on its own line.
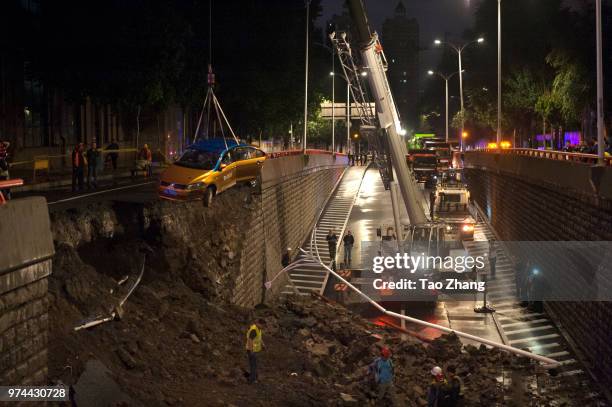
(373,210)
(510,325)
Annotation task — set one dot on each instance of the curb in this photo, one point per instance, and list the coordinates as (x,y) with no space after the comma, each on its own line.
(45,186)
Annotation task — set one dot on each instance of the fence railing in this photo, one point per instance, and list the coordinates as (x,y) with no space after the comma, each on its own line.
(581,158)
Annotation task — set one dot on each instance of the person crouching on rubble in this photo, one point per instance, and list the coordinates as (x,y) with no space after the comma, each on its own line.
(254,344)
(382,370)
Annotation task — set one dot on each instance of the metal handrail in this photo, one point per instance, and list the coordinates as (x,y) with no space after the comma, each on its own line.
(580,158)
(549,363)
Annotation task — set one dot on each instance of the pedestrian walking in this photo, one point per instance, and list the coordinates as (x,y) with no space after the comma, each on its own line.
(382,372)
(93,157)
(348,241)
(254,345)
(492,257)
(112,156)
(438,394)
(432,204)
(332,243)
(78,167)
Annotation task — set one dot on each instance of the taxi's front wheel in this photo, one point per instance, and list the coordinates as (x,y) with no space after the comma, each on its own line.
(208,196)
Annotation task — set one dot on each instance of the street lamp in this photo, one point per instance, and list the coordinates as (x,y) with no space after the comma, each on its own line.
(306,76)
(459,50)
(464,135)
(446,78)
(499,88)
(600,113)
(332,74)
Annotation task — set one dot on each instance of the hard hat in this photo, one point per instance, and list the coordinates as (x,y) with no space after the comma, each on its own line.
(385,352)
(436,371)
(288,249)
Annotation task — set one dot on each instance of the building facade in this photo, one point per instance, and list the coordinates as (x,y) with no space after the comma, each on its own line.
(400,38)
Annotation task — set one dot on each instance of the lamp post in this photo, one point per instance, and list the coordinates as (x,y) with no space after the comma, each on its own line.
(600,113)
(499,87)
(306,76)
(446,78)
(459,51)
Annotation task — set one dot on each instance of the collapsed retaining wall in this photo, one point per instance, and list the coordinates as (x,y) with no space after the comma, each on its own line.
(26,249)
(226,253)
(530,199)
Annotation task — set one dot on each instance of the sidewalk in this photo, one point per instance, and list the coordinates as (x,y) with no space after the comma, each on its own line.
(64,179)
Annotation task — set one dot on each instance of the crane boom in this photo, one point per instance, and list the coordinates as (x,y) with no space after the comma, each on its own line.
(374,61)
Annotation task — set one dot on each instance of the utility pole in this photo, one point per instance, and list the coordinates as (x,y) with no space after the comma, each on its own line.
(600,111)
(348,116)
(306,76)
(333,100)
(499,62)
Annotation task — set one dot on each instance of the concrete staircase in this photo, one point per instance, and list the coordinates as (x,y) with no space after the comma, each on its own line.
(308,278)
(522,328)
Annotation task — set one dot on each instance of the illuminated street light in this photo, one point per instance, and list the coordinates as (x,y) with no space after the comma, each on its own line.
(459,50)
(364,73)
(446,78)
(402,132)
(331,74)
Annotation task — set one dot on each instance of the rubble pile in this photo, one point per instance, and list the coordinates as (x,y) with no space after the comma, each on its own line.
(179,342)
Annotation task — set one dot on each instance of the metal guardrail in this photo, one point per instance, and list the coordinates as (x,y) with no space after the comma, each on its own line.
(581,158)
(287,153)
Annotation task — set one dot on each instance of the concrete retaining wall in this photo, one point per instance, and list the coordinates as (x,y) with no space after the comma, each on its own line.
(294,189)
(543,200)
(25,263)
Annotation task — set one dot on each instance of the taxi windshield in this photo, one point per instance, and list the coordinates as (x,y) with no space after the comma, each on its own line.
(201,160)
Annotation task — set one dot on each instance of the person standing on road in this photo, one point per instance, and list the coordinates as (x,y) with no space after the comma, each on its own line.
(254,344)
(286,260)
(93,157)
(492,257)
(112,156)
(4,166)
(78,167)
(332,242)
(349,241)
(382,370)
(146,157)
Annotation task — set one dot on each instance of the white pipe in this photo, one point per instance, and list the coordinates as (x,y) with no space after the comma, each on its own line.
(550,363)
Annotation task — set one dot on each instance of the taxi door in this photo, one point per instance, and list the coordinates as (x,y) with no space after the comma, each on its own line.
(227,178)
(242,157)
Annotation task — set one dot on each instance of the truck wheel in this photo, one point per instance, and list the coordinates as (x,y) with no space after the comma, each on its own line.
(208,197)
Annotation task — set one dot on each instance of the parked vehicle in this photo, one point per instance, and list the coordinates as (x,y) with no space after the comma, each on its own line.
(209,167)
(424,166)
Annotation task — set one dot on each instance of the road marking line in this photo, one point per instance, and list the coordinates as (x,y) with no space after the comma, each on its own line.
(100,192)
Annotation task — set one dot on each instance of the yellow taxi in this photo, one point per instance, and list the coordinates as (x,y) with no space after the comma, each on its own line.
(209,167)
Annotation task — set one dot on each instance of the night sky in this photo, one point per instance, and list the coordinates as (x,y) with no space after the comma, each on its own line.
(435,17)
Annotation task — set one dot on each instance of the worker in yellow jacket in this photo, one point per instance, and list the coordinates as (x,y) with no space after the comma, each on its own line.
(254,343)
